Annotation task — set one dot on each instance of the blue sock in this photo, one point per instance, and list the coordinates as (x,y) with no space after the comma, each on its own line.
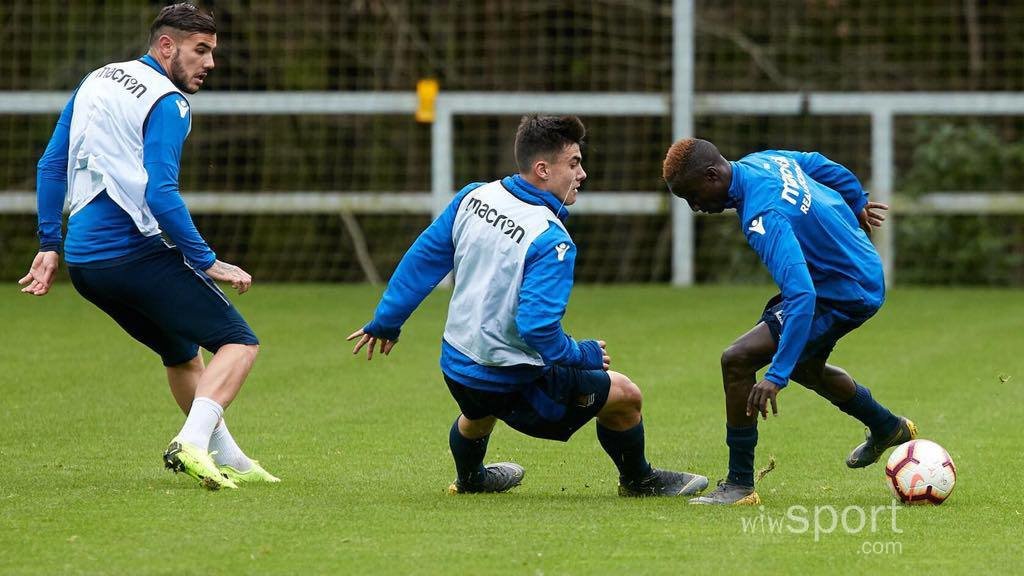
(626,449)
(876,417)
(468,454)
(741,442)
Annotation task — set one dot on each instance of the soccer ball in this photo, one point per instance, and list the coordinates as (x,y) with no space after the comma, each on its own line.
(920,472)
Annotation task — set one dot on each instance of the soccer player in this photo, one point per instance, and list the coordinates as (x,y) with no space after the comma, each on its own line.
(808,219)
(504,355)
(116,150)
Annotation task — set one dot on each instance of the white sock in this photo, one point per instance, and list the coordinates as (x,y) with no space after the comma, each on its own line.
(202,419)
(226,450)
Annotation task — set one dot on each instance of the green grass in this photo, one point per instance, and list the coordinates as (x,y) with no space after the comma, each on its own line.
(362,447)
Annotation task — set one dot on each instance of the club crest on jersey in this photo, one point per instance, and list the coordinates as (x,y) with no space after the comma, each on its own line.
(560,250)
(182,107)
(756,225)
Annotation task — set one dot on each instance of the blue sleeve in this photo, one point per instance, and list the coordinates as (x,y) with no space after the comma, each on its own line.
(543,297)
(425,264)
(771,236)
(52,181)
(164,135)
(835,176)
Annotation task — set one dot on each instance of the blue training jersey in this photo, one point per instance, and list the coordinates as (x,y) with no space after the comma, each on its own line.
(798,212)
(102,231)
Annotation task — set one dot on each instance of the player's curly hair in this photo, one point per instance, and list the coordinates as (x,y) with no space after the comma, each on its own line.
(686,160)
(545,136)
(183,17)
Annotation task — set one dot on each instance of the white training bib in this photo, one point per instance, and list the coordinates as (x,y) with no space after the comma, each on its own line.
(106,139)
(493,230)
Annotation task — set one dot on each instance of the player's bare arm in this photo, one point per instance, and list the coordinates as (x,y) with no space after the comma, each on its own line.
(223,272)
(40,275)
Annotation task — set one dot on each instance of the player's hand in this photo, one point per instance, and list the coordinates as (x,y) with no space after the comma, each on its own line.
(762,392)
(223,272)
(40,276)
(606,360)
(872,216)
(364,339)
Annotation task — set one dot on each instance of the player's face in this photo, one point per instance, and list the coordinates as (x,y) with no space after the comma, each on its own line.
(565,174)
(192,61)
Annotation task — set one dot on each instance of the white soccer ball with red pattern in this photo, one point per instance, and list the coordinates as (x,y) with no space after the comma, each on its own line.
(920,472)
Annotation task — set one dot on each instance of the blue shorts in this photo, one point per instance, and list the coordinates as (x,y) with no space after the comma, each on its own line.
(164,303)
(827,327)
(552,407)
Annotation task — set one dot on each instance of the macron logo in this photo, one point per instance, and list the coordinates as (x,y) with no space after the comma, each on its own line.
(757,226)
(182,107)
(561,249)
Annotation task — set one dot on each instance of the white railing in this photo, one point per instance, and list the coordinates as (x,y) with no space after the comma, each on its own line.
(16,202)
(881,107)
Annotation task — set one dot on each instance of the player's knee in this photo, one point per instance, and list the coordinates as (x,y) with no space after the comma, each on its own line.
(244,353)
(624,396)
(736,360)
(629,392)
(622,410)
(475,429)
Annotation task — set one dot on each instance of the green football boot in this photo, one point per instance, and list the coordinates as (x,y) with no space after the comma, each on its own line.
(872,449)
(254,474)
(196,462)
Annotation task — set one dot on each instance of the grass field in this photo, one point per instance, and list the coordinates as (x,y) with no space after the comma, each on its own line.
(362,447)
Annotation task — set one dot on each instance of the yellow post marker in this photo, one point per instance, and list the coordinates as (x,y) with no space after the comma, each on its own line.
(426,92)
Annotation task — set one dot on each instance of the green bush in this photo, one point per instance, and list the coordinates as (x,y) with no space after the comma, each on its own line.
(969,156)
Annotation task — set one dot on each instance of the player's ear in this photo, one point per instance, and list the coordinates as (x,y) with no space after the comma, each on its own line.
(541,169)
(165,44)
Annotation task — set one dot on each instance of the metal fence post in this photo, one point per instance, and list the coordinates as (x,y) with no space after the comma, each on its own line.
(882,170)
(682,127)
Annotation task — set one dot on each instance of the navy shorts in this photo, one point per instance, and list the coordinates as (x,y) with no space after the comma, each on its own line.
(164,303)
(552,407)
(827,327)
